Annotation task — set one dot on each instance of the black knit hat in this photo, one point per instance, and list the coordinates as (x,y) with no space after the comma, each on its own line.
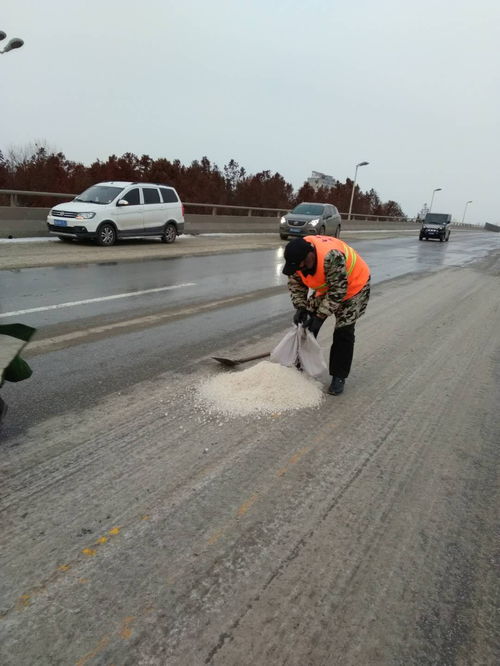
(295,252)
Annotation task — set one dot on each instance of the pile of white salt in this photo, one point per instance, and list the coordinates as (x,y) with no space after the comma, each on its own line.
(265,387)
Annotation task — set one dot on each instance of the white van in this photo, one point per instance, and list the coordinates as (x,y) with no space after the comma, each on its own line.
(108,211)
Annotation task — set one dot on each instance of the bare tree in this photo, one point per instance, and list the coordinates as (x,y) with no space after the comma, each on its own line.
(17,155)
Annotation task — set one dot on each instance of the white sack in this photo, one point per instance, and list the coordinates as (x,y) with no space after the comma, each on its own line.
(300,345)
(310,356)
(286,351)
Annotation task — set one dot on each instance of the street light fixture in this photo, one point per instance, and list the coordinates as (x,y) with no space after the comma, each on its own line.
(354,187)
(438,189)
(14,43)
(465,209)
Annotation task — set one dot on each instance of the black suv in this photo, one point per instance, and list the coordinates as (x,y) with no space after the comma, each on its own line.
(436,225)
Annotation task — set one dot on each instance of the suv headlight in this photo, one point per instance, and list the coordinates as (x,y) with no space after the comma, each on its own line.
(314,222)
(283,220)
(85,216)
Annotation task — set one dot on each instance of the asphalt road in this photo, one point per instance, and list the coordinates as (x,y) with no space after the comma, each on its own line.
(206,304)
(199,279)
(358,533)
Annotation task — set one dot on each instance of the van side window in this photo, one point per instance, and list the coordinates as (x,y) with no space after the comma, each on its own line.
(133,197)
(151,195)
(169,196)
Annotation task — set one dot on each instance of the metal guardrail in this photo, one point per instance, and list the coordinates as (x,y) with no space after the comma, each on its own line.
(15,194)
(214,208)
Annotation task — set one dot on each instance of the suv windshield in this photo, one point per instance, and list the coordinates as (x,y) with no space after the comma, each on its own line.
(99,194)
(308,209)
(435,218)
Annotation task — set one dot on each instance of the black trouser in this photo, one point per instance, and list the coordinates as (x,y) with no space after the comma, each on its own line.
(341,351)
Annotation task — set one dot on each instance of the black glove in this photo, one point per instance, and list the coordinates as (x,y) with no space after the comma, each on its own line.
(314,324)
(300,316)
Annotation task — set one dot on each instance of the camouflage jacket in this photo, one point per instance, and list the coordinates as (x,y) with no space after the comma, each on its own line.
(336,279)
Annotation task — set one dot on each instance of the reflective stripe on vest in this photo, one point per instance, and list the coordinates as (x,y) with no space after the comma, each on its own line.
(357,270)
(351,258)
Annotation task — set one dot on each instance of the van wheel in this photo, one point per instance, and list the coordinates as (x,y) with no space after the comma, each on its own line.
(169,233)
(283,237)
(106,235)
(322,231)
(337,231)
(65,239)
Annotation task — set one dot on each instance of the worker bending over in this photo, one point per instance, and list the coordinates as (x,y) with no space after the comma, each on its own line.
(340,280)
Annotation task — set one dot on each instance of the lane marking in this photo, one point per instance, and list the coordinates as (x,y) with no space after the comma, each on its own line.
(215,537)
(25,600)
(100,647)
(293,460)
(125,629)
(90,552)
(247,505)
(152,320)
(101,299)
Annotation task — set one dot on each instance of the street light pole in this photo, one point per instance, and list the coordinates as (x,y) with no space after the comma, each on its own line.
(438,189)
(14,43)
(354,187)
(465,209)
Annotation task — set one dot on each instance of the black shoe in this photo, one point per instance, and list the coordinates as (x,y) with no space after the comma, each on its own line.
(337,386)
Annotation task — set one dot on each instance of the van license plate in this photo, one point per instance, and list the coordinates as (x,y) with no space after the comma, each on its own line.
(60,223)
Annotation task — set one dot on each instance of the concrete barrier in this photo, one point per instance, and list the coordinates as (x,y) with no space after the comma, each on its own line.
(199,224)
(24,222)
(31,223)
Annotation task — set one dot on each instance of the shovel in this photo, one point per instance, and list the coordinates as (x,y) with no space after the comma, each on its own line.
(231,362)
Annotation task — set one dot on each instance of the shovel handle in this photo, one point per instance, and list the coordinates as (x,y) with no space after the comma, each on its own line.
(232,362)
(253,358)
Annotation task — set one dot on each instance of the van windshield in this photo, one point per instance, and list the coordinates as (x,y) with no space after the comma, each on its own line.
(436,218)
(99,194)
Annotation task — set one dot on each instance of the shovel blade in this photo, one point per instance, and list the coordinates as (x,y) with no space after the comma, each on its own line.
(225,361)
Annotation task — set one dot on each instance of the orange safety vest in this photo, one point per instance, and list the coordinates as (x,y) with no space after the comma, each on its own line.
(358,272)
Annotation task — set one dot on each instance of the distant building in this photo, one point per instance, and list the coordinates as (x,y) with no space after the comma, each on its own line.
(319,179)
(423,213)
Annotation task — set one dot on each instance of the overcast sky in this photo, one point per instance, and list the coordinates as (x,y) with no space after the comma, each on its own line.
(286,85)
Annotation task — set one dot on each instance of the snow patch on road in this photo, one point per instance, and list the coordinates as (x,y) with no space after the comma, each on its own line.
(41,239)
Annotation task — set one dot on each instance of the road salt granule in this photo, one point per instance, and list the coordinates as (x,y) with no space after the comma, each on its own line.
(265,387)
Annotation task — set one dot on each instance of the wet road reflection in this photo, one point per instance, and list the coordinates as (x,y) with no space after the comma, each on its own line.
(215,277)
